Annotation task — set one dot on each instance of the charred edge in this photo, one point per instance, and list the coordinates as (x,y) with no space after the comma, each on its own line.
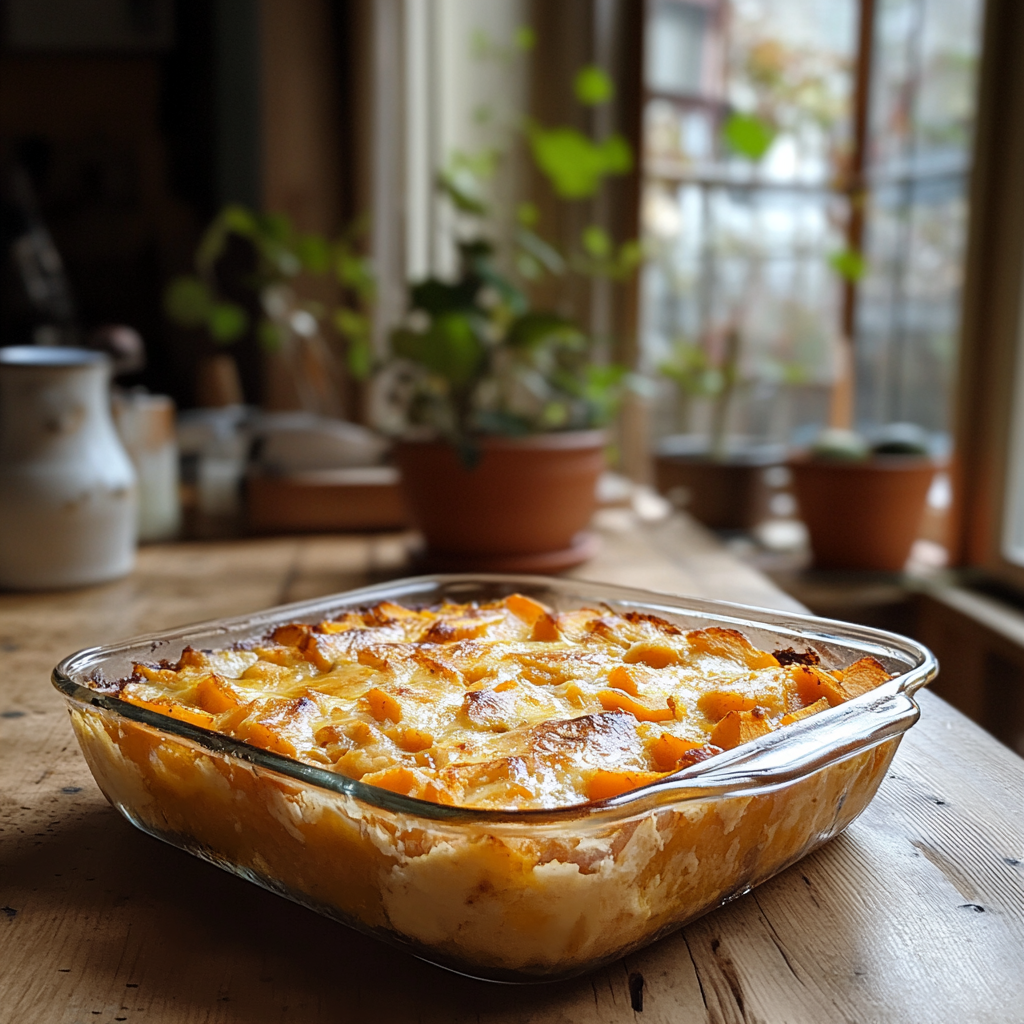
(636,991)
(788,656)
(662,624)
(112,687)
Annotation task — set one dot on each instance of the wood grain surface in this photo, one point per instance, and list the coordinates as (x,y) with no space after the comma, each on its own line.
(914,914)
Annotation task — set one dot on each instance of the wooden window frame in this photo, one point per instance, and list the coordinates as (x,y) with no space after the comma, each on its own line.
(992,305)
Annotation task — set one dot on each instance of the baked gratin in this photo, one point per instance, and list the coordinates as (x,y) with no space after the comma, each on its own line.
(501,705)
(514,719)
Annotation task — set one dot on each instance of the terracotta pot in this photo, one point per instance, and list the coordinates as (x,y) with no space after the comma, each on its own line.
(522,506)
(862,515)
(730,494)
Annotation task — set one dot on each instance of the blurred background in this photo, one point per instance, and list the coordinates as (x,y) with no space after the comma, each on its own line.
(792,224)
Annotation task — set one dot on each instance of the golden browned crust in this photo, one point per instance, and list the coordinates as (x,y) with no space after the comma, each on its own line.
(500,705)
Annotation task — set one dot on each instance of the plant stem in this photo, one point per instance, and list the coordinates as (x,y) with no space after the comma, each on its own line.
(723,402)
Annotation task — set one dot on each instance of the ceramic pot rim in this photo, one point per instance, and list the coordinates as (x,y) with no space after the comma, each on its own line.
(50,357)
(881,463)
(560,440)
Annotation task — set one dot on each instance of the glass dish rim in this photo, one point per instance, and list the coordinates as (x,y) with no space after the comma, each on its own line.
(751,769)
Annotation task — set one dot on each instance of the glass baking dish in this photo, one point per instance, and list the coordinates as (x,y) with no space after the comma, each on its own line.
(502,895)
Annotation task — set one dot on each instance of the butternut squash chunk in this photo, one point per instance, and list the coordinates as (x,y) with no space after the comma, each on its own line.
(740,727)
(614,700)
(603,784)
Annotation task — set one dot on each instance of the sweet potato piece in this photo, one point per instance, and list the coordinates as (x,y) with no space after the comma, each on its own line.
(397,780)
(214,695)
(731,644)
(292,634)
(166,676)
(575,696)
(604,784)
(525,608)
(622,679)
(811,709)
(545,629)
(279,724)
(813,683)
(716,704)
(191,658)
(740,727)
(615,700)
(260,735)
(864,675)
(413,740)
(382,705)
(468,627)
(668,750)
(652,654)
(163,706)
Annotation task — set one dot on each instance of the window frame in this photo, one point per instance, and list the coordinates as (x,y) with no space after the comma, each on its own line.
(990,369)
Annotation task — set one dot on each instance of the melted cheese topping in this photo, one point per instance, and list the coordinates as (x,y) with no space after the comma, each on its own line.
(501,705)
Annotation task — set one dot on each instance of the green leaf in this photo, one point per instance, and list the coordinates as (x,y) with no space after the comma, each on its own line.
(596,241)
(314,252)
(271,336)
(536,328)
(593,86)
(449,348)
(359,358)
(437,297)
(631,255)
(692,370)
(748,135)
(355,272)
(849,264)
(525,38)
(541,252)
(187,301)
(351,324)
(239,220)
(573,164)
(527,214)
(554,415)
(227,322)
(618,155)
(464,191)
(275,227)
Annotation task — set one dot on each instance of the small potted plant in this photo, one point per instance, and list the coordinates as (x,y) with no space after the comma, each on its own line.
(863,502)
(498,406)
(754,336)
(721,475)
(503,409)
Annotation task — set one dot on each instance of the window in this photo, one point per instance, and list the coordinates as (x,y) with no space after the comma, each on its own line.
(831,233)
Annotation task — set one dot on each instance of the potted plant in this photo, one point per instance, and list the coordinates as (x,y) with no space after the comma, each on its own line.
(752,337)
(504,411)
(498,406)
(256,276)
(863,503)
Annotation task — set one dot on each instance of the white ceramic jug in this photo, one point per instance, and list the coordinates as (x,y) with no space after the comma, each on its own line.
(67,486)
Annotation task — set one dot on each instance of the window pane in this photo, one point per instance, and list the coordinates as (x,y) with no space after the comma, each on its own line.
(740,246)
(750,245)
(908,311)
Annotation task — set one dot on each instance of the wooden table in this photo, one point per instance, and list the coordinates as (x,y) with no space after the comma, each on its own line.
(915,914)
